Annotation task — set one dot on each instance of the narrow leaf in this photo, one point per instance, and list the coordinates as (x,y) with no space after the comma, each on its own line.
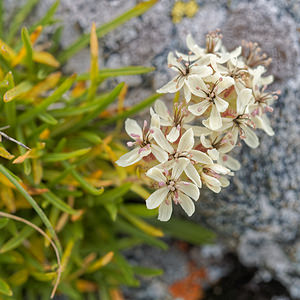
(54,157)
(5,288)
(17,91)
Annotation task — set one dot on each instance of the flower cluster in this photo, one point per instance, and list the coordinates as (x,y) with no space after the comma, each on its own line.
(224,100)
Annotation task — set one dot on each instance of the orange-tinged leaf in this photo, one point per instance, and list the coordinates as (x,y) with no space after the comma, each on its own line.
(86,286)
(103,261)
(121,98)
(7,52)
(8,198)
(96,174)
(44,135)
(44,86)
(45,58)
(20,159)
(79,89)
(4,153)
(33,37)
(77,216)
(116,294)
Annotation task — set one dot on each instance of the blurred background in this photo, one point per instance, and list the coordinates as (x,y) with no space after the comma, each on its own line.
(257,218)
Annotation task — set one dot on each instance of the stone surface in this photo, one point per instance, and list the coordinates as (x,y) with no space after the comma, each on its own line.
(259,214)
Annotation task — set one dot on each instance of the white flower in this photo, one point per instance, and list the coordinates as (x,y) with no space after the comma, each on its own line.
(210,176)
(184,155)
(229,162)
(172,189)
(176,121)
(143,142)
(211,97)
(186,71)
(241,123)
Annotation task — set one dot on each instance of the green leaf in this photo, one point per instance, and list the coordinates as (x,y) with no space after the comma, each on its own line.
(104,29)
(141,210)
(47,118)
(133,110)
(54,157)
(29,50)
(47,18)
(3,222)
(187,231)
(32,202)
(57,202)
(125,227)
(1,19)
(5,288)
(16,91)
(110,196)
(55,96)
(145,271)
(125,71)
(16,241)
(19,19)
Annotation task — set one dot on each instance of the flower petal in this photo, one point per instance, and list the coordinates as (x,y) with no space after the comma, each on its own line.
(215,120)
(251,138)
(243,99)
(129,158)
(160,154)
(162,141)
(179,166)
(173,135)
(156,198)
(199,108)
(186,142)
(187,204)
(187,93)
(221,104)
(161,109)
(193,175)
(170,87)
(189,189)
(165,211)
(201,157)
(229,162)
(213,154)
(132,127)
(197,86)
(156,174)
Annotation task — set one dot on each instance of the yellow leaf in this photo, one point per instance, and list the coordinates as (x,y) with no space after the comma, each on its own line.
(103,261)
(7,52)
(67,254)
(8,198)
(44,135)
(44,86)
(5,181)
(18,278)
(20,159)
(4,153)
(44,276)
(78,89)
(121,98)
(17,91)
(33,37)
(85,286)
(37,171)
(46,59)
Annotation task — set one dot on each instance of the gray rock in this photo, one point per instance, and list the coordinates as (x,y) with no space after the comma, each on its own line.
(259,214)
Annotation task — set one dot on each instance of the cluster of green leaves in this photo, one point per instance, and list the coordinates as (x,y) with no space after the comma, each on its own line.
(68,182)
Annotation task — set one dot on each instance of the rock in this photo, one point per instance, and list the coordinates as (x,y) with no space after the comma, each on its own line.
(258,216)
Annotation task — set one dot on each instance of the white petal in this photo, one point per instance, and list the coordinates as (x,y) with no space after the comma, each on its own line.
(161,109)
(156,174)
(210,180)
(155,121)
(201,71)
(264,123)
(213,153)
(144,152)
(205,142)
(214,188)
(170,87)
(187,93)
(129,158)
(193,175)
(159,153)
(186,142)
(243,99)
(156,198)
(199,108)
(173,135)
(201,157)
(179,166)
(224,181)
(230,162)
(162,141)
(221,104)
(219,169)
(189,189)
(187,204)
(165,211)
(132,127)
(197,86)
(225,84)
(215,121)
(198,130)
(251,138)
(172,60)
